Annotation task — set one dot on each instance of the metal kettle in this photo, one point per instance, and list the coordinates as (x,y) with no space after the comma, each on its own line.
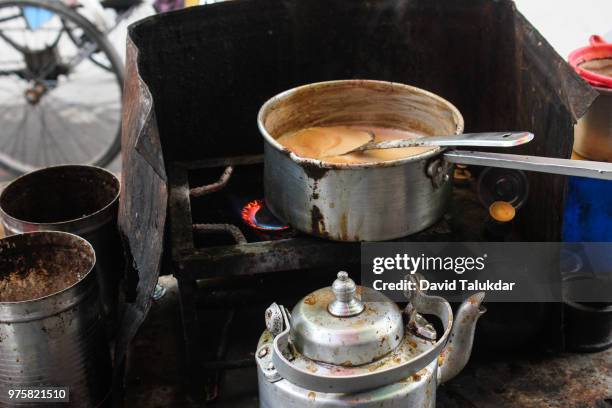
(350,346)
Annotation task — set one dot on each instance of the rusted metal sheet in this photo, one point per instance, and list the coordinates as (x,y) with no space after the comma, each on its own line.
(142,205)
(549,98)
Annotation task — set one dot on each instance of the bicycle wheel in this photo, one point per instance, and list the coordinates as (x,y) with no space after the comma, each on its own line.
(61,85)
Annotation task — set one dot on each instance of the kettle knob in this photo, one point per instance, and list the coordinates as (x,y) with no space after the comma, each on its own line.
(346,303)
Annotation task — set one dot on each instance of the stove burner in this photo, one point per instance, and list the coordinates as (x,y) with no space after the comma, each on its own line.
(257,216)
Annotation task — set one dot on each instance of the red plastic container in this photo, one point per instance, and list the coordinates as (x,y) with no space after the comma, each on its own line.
(597,50)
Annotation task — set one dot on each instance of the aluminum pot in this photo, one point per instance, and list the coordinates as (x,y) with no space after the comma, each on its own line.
(55,340)
(374,201)
(82,200)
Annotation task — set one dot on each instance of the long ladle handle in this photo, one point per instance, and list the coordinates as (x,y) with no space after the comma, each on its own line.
(580,168)
(485,139)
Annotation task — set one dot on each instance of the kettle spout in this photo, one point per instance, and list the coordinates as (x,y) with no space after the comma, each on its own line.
(459,347)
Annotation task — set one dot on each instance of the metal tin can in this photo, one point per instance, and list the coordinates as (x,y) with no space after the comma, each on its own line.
(82,200)
(593,132)
(56,339)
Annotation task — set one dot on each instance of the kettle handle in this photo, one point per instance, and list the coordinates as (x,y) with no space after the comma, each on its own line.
(279,366)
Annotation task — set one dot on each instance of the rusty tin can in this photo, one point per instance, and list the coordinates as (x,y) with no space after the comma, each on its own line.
(52,339)
(593,132)
(78,199)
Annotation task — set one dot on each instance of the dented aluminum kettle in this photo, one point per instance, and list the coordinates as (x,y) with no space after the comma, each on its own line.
(350,346)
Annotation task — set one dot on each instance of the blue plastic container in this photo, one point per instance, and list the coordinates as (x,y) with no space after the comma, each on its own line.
(588,211)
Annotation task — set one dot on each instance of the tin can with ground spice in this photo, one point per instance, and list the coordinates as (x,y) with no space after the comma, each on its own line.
(78,199)
(51,328)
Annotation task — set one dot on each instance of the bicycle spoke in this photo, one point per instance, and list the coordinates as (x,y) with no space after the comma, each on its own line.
(41,29)
(6,146)
(86,131)
(12,43)
(44,151)
(44,148)
(83,54)
(23,33)
(4,19)
(94,105)
(59,35)
(61,121)
(21,142)
(52,136)
(21,127)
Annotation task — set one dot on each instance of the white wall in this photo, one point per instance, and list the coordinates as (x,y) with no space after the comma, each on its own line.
(567,24)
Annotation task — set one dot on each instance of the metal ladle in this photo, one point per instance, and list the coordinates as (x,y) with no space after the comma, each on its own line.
(580,168)
(485,139)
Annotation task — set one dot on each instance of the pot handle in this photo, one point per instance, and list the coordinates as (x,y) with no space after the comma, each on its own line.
(567,167)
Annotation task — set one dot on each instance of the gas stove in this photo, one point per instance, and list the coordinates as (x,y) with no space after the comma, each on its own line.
(209,201)
(191,170)
(219,221)
(221,234)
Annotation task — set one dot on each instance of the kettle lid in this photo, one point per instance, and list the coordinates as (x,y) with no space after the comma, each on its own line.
(335,326)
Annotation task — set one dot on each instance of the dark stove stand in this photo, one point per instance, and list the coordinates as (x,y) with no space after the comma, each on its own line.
(192,261)
(219,260)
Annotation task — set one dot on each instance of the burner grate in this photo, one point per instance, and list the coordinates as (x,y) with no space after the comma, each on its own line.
(210,240)
(207,229)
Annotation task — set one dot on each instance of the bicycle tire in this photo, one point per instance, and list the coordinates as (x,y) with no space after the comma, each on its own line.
(104,45)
